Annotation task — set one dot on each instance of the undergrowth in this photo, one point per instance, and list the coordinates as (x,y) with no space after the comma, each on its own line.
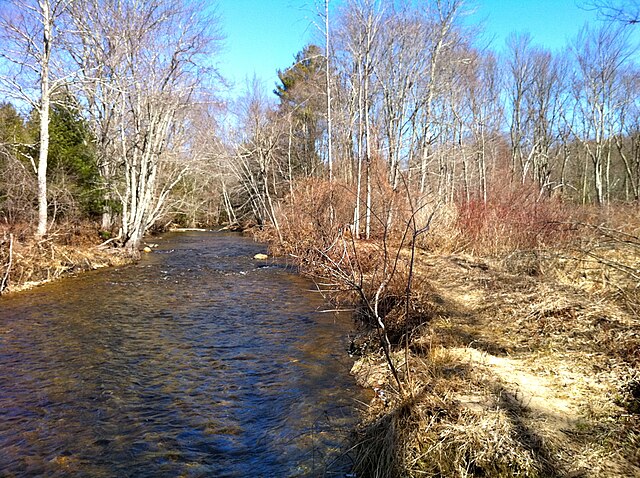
(70,248)
(519,273)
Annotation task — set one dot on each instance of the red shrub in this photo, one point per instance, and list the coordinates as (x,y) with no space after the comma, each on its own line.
(517,218)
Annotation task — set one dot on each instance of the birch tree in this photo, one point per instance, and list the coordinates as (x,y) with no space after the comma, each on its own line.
(143,66)
(536,94)
(30,39)
(359,41)
(601,55)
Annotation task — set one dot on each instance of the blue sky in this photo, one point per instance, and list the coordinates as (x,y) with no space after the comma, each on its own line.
(264,35)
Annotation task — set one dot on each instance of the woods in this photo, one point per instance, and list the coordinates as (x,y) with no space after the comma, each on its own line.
(410,105)
(136,75)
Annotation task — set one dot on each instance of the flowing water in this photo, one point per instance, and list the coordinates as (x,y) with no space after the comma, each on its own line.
(197,361)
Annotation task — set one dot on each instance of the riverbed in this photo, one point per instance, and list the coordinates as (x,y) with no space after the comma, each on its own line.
(197,361)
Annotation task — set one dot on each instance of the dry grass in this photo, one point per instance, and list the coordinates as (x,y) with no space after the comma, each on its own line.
(513,375)
(517,347)
(26,262)
(435,430)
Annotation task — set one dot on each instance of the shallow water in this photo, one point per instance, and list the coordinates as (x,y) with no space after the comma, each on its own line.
(197,361)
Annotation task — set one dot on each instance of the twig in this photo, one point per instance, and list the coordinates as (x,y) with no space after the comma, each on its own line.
(108,241)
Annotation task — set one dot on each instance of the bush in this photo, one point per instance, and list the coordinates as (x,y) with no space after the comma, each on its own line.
(515,219)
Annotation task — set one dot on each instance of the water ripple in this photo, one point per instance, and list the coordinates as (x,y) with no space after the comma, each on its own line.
(197,361)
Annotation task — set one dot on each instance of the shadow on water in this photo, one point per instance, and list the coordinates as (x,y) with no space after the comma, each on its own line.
(197,361)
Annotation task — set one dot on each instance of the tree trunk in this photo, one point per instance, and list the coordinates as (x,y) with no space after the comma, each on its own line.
(44,119)
(328,77)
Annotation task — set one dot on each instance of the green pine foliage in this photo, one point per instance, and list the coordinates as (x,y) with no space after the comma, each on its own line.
(302,95)
(17,177)
(74,180)
(72,156)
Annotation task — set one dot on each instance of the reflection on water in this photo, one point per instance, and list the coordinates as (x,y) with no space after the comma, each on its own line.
(198,361)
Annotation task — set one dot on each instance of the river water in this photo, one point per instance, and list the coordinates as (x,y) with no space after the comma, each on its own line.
(197,361)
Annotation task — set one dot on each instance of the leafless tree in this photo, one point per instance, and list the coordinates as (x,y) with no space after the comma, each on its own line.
(143,65)
(361,23)
(601,55)
(626,12)
(255,147)
(536,93)
(30,40)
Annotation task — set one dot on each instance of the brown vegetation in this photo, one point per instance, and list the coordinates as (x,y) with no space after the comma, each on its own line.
(514,345)
(26,262)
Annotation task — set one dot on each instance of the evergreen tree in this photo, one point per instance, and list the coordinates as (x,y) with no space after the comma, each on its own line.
(73,173)
(303,102)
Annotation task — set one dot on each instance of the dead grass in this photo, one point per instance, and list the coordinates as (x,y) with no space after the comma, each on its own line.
(26,262)
(513,375)
(518,347)
(437,430)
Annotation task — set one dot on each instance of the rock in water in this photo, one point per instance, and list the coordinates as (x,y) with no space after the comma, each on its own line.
(147,249)
(261,257)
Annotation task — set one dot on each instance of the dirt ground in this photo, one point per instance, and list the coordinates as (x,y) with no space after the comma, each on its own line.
(516,371)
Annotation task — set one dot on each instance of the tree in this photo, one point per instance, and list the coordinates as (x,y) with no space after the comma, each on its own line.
(72,163)
(327,68)
(30,38)
(142,68)
(358,39)
(302,100)
(256,155)
(601,55)
(16,180)
(626,12)
(536,93)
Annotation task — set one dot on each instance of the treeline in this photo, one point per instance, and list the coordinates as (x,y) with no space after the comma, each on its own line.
(421,115)
(397,112)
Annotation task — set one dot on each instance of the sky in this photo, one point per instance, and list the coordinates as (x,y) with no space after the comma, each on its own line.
(263,36)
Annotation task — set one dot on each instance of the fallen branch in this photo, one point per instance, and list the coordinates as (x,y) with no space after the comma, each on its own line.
(5,278)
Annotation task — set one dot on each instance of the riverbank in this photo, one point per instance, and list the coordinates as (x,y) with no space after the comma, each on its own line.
(524,362)
(511,375)
(26,262)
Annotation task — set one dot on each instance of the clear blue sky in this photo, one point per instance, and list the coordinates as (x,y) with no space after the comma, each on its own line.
(264,35)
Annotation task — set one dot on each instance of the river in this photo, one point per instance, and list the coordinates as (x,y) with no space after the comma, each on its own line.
(198,361)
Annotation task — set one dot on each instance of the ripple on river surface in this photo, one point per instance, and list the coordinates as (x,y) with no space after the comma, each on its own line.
(197,361)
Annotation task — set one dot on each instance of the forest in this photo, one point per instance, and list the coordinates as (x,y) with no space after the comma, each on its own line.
(396,149)
(405,107)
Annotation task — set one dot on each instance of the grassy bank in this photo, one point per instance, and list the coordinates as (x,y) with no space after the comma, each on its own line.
(502,342)
(26,262)
(509,375)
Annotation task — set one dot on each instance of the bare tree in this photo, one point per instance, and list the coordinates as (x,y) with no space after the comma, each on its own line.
(327,54)
(626,12)
(600,56)
(360,27)
(142,68)
(256,155)
(536,93)
(30,39)
(627,137)
(443,36)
